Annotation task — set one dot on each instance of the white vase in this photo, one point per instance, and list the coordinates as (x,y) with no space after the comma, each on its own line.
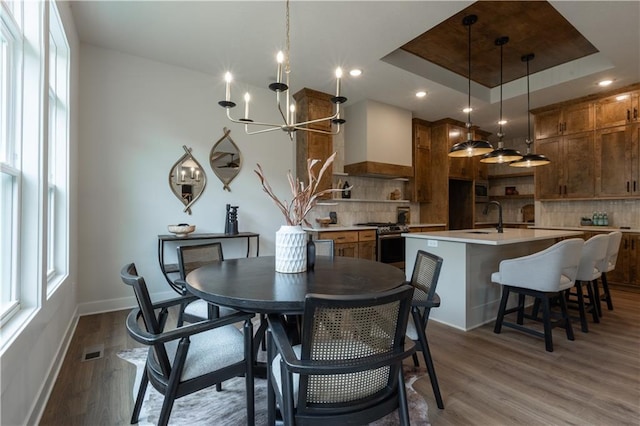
(291,249)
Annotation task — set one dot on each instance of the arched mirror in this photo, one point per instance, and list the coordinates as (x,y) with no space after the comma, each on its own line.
(187,179)
(225,159)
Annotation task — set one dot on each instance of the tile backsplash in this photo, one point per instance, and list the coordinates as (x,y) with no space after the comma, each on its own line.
(568,213)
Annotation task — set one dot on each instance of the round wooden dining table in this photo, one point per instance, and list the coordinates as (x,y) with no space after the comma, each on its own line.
(253,285)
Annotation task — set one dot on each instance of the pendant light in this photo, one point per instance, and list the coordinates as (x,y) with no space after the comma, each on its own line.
(529,160)
(502,154)
(470,147)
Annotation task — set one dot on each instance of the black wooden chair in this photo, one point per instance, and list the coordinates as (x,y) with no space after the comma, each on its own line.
(192,257)
(187,359)
(348,368)
(424,280)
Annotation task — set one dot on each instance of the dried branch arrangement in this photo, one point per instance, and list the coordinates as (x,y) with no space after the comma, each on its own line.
(304,198)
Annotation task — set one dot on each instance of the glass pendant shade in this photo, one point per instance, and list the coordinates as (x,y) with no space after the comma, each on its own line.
(470,147)
(501,154)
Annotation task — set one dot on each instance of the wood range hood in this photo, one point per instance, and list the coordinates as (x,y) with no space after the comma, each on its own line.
(377,141)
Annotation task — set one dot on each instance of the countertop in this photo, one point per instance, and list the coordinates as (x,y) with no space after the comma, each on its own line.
(489,236)
(587,228)
(339,227)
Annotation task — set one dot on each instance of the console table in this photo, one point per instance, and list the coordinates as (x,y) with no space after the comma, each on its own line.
(172,268)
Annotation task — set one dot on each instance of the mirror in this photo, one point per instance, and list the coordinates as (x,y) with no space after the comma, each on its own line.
(225,159)
(187,179)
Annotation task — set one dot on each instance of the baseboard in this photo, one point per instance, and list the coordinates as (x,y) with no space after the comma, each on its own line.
(118,304)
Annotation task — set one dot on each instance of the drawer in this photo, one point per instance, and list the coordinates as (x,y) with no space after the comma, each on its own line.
(368,235)
(340,236)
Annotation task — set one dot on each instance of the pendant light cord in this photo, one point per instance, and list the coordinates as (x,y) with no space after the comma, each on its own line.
(500,134)
(528,106)
(469,79)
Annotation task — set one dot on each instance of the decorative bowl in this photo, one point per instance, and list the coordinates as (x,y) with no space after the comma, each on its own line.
(182,229)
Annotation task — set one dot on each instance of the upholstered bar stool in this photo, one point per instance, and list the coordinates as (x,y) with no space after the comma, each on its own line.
(543,275)
(593,256)
(608,265)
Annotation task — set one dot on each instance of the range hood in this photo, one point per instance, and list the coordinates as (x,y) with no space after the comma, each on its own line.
(377,141)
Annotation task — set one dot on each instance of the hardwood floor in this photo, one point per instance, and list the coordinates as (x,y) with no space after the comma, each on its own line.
(485,378)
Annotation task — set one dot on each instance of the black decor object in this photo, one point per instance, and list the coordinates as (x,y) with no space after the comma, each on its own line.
(311,254)
(231,220)
(346,193)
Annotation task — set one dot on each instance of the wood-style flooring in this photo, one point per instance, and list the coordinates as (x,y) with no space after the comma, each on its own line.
(485,378)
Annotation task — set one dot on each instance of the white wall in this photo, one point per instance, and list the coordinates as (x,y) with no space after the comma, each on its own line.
(135,116)
(29,363)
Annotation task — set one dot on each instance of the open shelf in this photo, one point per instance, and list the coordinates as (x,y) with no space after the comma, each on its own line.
(513,197)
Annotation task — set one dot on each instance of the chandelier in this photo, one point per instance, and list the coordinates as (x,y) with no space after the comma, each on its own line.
(286,107)
(470,147)
(530,159)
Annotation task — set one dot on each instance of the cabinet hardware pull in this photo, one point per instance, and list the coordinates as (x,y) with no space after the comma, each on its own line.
(634,186)
(628,115)
(559,189)
(559,127)
(635,113)
(565,190)
(633,244)
(626,245)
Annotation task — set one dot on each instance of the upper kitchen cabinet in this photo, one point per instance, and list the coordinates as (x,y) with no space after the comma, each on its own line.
(618,161)
(563,120)
(377,141)
(310,105)
(420,186)
(617,110)
(571,173)
(459,167)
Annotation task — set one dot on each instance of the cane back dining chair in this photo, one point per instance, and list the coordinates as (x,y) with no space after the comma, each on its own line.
(348,368)
(187,359)
(424,280)
(192,257)
(594,254)
(544,275)
(608,265)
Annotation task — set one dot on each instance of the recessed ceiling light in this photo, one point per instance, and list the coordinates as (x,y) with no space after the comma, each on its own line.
(502,122)
(467,110)
(604,83)
(355,72)
(421,94)
(622,97)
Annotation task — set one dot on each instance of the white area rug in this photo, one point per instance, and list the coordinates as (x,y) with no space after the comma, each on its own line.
(227,408)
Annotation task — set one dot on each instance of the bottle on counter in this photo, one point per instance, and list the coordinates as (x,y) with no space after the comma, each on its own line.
(605,219)
(346,193)
(311,254)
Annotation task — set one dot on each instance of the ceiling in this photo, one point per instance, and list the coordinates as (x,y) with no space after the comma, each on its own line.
(243,36)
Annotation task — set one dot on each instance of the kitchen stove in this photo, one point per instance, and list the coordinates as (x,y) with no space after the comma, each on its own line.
(389,242)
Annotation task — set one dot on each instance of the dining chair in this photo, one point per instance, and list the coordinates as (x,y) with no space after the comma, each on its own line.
(608,265)
(324,247)
(348,367)
(424,280)
(189,358)
(544,275)
(192,257)
(592,258)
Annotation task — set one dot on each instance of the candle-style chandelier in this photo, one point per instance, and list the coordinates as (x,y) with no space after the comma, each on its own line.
(281,88)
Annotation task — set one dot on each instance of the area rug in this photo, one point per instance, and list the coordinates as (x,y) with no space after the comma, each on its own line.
(209,407)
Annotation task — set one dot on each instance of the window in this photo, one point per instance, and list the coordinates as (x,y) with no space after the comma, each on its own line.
(57,152)
(10,178)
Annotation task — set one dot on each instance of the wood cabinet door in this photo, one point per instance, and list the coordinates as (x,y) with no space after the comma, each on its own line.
(634,137)
(480,169)
(634,260)
(578,177)
(346,249)
(367,250)
(620,275)
(461,168)
(547,178)
(616,110)
(577,118)
(421,187)
(547,124)
(614,156)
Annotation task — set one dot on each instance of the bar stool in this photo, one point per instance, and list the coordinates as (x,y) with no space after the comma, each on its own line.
(608,265)
(594,253)
(544,275)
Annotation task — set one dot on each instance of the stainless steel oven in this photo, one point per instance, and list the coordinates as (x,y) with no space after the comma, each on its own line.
(390,243)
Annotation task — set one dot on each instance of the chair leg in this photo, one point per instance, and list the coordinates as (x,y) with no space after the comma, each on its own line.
(605,289)
(546,320)
(416,363)
(583,315)
(593,302)
(520,317)
(503,306)
(428,360)
(565,315)
(248,355)
(139,399)
(596,294)
(403,408)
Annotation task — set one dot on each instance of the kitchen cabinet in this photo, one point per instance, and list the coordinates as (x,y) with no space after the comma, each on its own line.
(627,271)
(566,120)
(420,185)
(617,154)
(617,110)
(426,228)
(361,244)
(571,173)
(310,105)
(459,167)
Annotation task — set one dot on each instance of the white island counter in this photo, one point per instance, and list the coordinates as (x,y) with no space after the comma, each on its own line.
(468,297)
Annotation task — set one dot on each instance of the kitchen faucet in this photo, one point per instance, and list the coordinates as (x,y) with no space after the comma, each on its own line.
(486,209)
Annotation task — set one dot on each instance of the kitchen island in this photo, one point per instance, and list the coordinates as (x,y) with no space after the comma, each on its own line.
(469,298)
